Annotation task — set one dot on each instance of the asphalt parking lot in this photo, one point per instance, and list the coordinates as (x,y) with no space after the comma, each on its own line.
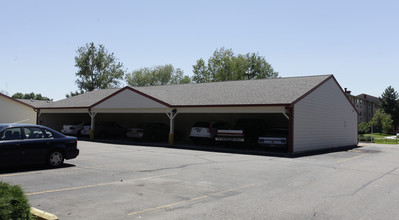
(119,181)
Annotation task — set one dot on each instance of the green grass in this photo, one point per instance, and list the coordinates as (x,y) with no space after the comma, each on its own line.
(379,138)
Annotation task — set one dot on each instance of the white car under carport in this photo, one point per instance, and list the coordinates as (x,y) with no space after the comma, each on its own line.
(276,137)
(73,128)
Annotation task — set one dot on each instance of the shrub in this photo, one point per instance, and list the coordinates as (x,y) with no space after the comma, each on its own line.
(365,138)
(13,203)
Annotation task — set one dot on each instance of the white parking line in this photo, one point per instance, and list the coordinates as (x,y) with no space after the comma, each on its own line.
(94,185)
(19,174)
(352,158)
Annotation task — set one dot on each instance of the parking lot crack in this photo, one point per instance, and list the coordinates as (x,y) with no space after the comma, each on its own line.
(368,183)
(196,200)
(172,168)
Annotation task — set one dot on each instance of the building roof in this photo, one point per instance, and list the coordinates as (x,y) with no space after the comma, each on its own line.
(35,103)
(82,101)
(369,98)
(279,91)
(244,92)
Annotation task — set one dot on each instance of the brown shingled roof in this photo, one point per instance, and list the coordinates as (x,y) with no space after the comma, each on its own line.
(279,91)
(244,92)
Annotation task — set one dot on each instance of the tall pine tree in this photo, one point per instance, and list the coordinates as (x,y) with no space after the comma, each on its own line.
(389,102)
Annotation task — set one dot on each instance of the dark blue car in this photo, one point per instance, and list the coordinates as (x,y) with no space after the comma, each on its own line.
(29,144)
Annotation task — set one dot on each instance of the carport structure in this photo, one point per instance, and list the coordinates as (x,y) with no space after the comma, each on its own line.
(315,109)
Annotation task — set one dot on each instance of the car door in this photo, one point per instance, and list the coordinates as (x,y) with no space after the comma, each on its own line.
(11,146)
(36,145)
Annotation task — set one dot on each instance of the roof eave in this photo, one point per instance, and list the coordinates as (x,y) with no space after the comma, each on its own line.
(231,105)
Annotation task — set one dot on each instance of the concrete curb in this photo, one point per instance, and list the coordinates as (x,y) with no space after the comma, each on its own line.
(42,215)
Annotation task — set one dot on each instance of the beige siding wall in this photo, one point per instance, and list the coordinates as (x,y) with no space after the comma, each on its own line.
(12,111)
(324,119)
(128,100)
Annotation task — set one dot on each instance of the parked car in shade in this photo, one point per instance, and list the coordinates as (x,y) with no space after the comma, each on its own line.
(104,129)
(205,131)
(149,132)
(247,130)
(29,144)
(276,137)
(74,128)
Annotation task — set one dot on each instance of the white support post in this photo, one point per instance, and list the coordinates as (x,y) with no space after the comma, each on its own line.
(287,111)
(92,123)
(286,116)
(171,117)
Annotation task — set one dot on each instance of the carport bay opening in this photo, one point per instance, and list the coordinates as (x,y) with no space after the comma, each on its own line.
(182,122)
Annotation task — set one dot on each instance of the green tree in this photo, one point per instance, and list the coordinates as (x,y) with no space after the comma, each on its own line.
(381,121)
(158,75)
(18,95)
(97,68)
(389,102)
(224,65)
(256,67)
(201,73)
(31,95)
(363,128)
(74,94)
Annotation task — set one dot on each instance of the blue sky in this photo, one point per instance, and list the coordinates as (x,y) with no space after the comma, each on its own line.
(357,41)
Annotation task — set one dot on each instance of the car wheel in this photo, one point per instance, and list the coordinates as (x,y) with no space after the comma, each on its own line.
(55,159)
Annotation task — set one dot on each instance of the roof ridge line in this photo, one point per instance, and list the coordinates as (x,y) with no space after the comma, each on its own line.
(241,80)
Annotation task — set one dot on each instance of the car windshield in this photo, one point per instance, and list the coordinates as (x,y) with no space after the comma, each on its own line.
(221,125)
(249,123)
(202,124)
(144,125)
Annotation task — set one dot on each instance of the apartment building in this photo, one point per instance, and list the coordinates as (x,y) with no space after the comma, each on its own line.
(365,104)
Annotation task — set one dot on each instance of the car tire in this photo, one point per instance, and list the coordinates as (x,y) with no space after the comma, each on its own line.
(55,159)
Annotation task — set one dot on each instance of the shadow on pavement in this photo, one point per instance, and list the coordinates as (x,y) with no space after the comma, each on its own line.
(236,149)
